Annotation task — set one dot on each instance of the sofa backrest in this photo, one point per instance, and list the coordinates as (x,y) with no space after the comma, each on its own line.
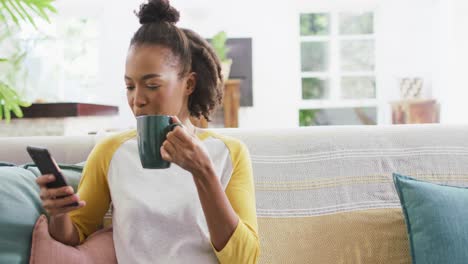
(326,195)
(64,149)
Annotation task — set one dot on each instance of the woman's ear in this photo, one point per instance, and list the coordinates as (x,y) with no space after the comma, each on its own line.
(191,83)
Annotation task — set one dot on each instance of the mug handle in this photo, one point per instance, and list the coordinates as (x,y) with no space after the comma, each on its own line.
(171,127)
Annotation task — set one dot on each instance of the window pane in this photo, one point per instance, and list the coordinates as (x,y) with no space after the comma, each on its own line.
(70,72)
(315,24)
(81,57)
(357,55)
(356,23)
(315,88)
(358,87)
(44,71)
(338,116)
(314,56)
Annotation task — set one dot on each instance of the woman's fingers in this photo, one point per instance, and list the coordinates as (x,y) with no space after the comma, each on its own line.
(168,151)
(44,179)
(172,137)
(182,134)
(56,201)
(62,205)
(165,155)
(56,192)
(61,202)
(170,147)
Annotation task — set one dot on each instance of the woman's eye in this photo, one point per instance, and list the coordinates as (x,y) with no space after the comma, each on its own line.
(153,87)
(130,88)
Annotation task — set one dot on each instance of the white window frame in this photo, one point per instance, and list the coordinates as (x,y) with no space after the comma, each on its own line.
(335,74)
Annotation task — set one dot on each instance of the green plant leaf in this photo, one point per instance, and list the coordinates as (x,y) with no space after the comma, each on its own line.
(10,102)
(48,5)
(38,8)
(30,19)
(23,9)
(7,112)
(12,15)
(24,104)
(17,110)
(7,97)
(52,9)
(17,11)
(218,42)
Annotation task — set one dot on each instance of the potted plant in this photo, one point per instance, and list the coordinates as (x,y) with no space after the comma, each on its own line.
(219,45)
(12,13)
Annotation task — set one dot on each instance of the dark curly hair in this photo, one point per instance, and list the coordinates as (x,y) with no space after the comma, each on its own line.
(194,54)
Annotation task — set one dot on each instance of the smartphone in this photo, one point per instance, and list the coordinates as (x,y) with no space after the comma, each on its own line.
(47,165)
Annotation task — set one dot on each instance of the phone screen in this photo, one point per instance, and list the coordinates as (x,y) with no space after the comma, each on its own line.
(46,165)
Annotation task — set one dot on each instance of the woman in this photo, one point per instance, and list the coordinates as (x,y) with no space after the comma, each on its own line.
(157,217)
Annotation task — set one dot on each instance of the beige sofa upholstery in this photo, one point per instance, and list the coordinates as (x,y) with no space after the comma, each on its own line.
(324,194)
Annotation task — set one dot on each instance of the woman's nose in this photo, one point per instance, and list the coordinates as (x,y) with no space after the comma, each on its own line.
(140,99)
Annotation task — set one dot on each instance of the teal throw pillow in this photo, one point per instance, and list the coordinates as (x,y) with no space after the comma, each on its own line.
(436,219)
(20,206)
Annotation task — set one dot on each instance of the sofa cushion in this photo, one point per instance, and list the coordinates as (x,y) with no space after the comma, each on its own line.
(436,218)
(98,248)
(366,236)
(20,206)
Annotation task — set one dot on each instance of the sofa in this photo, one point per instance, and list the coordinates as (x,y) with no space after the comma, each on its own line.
(323,194)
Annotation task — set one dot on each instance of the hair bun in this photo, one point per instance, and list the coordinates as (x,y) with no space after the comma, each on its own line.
(157,11)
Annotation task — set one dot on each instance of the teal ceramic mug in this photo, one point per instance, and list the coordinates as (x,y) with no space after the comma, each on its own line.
(151,134)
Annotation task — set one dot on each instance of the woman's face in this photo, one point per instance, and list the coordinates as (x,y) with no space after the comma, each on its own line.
(153,83)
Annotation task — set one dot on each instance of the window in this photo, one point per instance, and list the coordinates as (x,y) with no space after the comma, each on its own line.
(338,69)
(63,62)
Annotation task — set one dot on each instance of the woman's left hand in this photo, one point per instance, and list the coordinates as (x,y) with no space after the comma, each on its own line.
(185,150)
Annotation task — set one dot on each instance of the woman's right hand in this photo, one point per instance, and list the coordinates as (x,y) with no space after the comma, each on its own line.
(57,206)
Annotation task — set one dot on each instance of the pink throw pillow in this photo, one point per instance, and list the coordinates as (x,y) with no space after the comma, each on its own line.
(97,248)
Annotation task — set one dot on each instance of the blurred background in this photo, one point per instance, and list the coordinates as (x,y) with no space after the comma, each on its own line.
(294,63)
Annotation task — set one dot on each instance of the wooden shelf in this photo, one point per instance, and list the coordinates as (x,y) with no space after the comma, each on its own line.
(53,110)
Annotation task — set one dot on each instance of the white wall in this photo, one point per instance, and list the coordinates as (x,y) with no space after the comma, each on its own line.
(409,44)
(454,68)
